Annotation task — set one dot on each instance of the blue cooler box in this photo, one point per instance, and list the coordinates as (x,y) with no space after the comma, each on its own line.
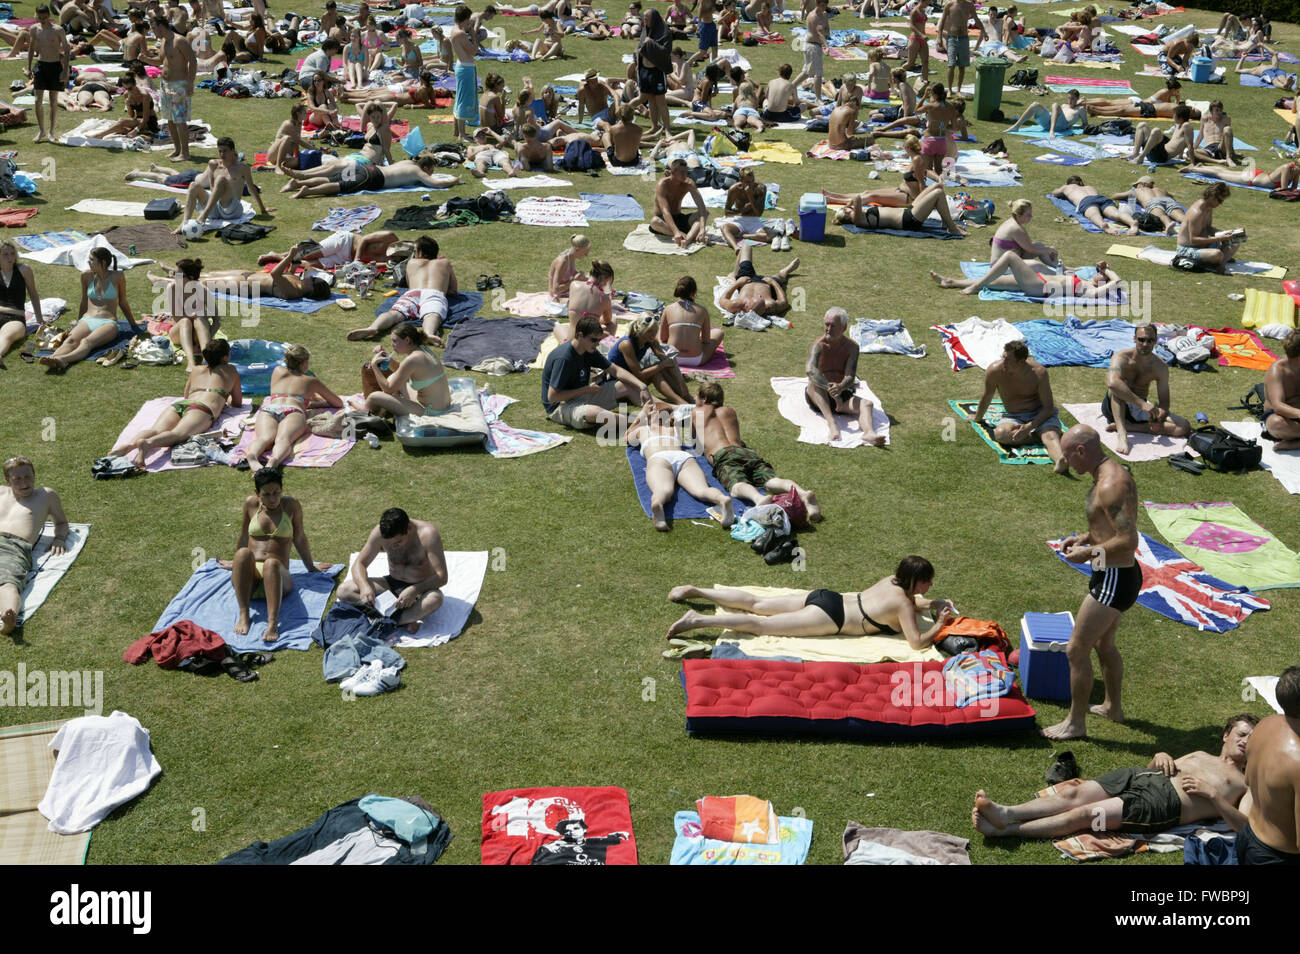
(1202,69)
(812,217)
(1044,669)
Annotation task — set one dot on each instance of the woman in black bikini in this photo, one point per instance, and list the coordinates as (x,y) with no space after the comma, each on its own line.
(888,608)
(910,219)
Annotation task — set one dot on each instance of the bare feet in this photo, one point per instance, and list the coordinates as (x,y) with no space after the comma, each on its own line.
(241,624)
(968,290)
(1122,448)
(1293,444)
(1103,709)
(814,505)
(272,632)
(990,811)
(8,620)
(690,620)
(1065,730)
(51,362)
(1061,467)
(680,594)
(728,513)
(833,431)
(657,516)
(363,334)
(413,628)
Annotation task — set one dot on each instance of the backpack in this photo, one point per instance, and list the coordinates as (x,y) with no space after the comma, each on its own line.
(243,233)
(1149,222)
(1252,402)
(1224,451)
(580,157)
(1024,78)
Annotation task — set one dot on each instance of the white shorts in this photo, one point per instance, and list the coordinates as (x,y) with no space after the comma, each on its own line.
(812,58)
(418,303)
(336,249)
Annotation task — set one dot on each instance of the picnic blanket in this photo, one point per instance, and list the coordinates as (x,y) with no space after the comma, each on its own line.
(519,340)
(643,167)
(26,766)
(208,599)
(1063,84)
(77,254)
(682,506)
(1024,454)
(1038,131)
(603,207)
(1070,147)
(975,341)
(538,181)
(1069,209)
(504,441)
(89,132)
(1250,79)
(465,573)
(1178,589)
(1089,343)
(48,568)
(340,219)
(793,406)
(884,336)
(41,241)
(461,305)
(641,239)
(1225,541)
(690,847)
(1284,465)
(1161,256)
(1141,446)
(552,210)
(229,424)
(309,450)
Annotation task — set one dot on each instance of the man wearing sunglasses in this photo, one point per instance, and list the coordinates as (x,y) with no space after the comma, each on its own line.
(1125,406)
(575,397)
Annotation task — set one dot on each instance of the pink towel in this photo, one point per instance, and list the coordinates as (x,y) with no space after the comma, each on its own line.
(718,366)
(160,458)
(1141,446)
(310,450)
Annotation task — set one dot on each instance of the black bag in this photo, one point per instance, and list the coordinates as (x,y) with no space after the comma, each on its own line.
(1253,402)
(1024,78)
(580,157)
(162,209)
(1224,451)
(243,233)
(1149,222)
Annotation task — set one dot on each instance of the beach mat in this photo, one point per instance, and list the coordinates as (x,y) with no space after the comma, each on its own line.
(465,573)
(682,506)
(309,450)
(1026,454)
(793,406)
(230,424)
(48,568)
(26,765)
(1141,446)
(1227,543)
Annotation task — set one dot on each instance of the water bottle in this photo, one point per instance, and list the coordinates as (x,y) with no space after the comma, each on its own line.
(372,440)
(1201,418)
(130,250)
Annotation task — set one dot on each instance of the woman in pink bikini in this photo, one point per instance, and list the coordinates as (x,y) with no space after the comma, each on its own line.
(1011,236)
(593,296)
(939,119)
(564,268)
(282,418)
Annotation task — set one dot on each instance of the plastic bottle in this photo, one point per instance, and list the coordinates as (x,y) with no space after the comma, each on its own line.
(373,441)
(1201,418)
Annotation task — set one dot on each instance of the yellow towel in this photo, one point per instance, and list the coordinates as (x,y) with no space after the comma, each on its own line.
(550,342)
(1287,114)
(1267,308)
(1124,251)
(776,152)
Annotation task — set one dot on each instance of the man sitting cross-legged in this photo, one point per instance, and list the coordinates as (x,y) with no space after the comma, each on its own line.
(417,568)
(1029,414)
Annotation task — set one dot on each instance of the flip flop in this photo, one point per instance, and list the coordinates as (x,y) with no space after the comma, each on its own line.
(27,356)
(687,649)
(255,659)
(233,668)
(1185,462)
(483,283)
(496,282)
(130,365)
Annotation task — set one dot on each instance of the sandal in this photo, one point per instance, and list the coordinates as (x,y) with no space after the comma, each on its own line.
(483,283)
(687,649)
(496,282)
(255,659)
(1185,462)
(27,356)
(233,668)
(130,365)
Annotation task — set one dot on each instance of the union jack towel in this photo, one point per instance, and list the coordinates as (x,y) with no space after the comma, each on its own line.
(1177,588)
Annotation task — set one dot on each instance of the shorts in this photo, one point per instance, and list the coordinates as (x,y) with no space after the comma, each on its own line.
(890,113)
(1158,154)
(1098,202)
(879,96)
(746,270)
(1213,149)
(602,116)
(336,249)
(1132,413)
(395,586)
(495,157)
(1146,110)
(1024,417)
(912,223)
(1165,204)
(577,413)
(708,36)
(309,158)
(614,161)
(651,81)
(745,111)
(934,146)
(830,603)
(174,101)
(1252,851)
(791,115)
(1149,798)
(1196,255)
(734,465)
(812,62)
(837,404)
(1116,587)
(182,179)
(15,561)
(418,303)
(958,50)
(545,133)
(466,105)
(683,220)
(362,177)
(48,75)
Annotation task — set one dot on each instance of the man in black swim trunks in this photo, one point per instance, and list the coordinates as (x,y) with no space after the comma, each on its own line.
(49,46)
(1094,207)
(1282,396)
(416,570)
(1168,792)
(1110,544)
(1271,834)
(668,218)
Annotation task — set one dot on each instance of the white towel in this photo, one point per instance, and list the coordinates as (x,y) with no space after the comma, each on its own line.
(984,340)
(1141,446)
(1284,466)
(465,572)
(78,255)
(108,207)
(552,210)
(812,429)
(47,568)
(538,181)
(104,762)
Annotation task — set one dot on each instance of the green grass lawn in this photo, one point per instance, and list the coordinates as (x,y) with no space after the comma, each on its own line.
(558,679)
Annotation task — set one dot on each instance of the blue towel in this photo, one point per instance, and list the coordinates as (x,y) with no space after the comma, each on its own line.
(460,306)
(1059,160)
(979,269)
(1068,208)
(1070,147)
(208,599)
(1041,131)
(1197,177)
(1250,79)
(612,208)
(1090,344)
(303,306)
(682,506)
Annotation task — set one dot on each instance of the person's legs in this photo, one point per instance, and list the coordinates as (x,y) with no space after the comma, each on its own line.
(1112,675)
(807,621)
(40,116)
(383,321)
(1009,261)
(10,606)
(378,402)
(693,481)
(737,599)
(288,431)
(276,584)
(412,616)
(1051,438)
(1080,808)
(864,409)
(821,401)
(1091,627)
(244,578)
(1120,213)
(264,431)
(11,332)
(672,383)
(659,478)
(80,343)
(195,421)
(1120,422)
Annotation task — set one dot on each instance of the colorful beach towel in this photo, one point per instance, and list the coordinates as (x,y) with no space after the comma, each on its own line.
(1241,349)
(976,342)
(309,450)
(1088,343)
(690,847)
(533,826)
(348,220)
(504,441)
(1227,543)
(1026,454)
(1178,589)
(230,424)
(41,241)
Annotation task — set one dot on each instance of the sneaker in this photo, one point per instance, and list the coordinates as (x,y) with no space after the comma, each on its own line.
(751,322)
(350,683)
(378,680)
(790,229)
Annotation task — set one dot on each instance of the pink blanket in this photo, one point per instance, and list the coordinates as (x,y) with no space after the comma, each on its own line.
(309,450)
(1141,446)
(230,424)
(534,305)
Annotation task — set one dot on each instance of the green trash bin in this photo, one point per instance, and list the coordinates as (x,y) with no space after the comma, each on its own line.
(989,74)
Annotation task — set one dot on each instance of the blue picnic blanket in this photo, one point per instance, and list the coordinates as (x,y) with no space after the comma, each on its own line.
(1250,79)
(1058,159)
(682,505)
(1089,343)
(612,208)
(208,599)
(1070,147)
(932,230)
(884,336)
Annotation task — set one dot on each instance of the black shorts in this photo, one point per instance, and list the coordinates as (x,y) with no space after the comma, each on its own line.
(830,603)
(683,221)
(1108,412)
(1117,586)
(912,223)
(791,115)
(1146,110)
(368,178)
(395,586)
(1252,851)
(651,81)
(1149,798)
(48,75)
(746,270)
(1213,149)
(613,160)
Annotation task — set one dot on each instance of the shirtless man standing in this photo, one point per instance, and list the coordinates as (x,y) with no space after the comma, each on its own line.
(1110,544)
(1029,412)
(668,218)
(49,45)
(954,37)
(708,32)
(430,280)
(818,24)
(1198,242)
(1166,793)
(179,65)
(1132,372)
(24,508)
(221,187)
(417,568)
(739,468)
(1282,396)
(1271,834)
(832,379)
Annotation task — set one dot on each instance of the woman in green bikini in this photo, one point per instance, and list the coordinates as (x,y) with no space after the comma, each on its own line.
(103,291)
(207,391)
(282,418)
(418,386)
